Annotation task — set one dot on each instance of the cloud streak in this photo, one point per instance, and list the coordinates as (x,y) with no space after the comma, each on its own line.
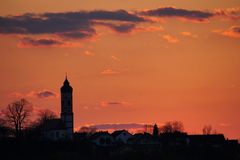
(120,28)
(114,103)
(35,94)
(118,126)
(109,72)
(189,34)
(192,15)
(195,15)
(233,32)
(46,94)
(169,38)
(42,42)
(231,13)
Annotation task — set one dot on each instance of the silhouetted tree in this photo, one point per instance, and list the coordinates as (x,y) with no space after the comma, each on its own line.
(207,129)
(36,129)
(171,127)
(155,130)
(45,115)
(17,115)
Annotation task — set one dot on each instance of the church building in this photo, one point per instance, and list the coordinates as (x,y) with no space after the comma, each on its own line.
(62,128)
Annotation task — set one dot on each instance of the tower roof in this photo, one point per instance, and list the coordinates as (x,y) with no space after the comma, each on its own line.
(66,86)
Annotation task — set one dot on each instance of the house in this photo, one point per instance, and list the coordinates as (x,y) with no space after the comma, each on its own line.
(232,142)
(143,139)
(121,136)
(103,139)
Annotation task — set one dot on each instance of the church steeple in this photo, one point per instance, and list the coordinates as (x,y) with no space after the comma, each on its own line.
(66,107)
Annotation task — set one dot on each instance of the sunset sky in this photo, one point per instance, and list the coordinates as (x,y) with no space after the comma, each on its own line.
(143,61)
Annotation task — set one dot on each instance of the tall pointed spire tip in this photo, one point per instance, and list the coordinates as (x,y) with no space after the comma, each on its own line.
(66,75)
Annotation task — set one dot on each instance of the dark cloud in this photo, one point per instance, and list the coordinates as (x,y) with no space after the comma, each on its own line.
(119,15)
(35,94)
(115,103)
(68,24)
(39,42)
(120,28)
(82,24)
(175,12)
(118,126)
(77,35)
(45,94)
(236,29)
(26,24)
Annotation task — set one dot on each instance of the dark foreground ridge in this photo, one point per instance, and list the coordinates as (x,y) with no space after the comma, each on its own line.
(174,146)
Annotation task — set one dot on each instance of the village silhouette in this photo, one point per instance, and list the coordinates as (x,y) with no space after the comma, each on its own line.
(50,137)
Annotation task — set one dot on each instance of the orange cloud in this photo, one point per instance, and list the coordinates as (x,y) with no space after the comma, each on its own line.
(232,13)
(115,58)
(109,72)
(233,32)
(188,34)
(149,29)
(169,38)
(88,53)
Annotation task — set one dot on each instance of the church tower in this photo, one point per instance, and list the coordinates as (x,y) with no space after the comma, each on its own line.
(66,108)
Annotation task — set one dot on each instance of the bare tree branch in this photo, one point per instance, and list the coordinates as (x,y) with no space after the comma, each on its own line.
(16,115)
